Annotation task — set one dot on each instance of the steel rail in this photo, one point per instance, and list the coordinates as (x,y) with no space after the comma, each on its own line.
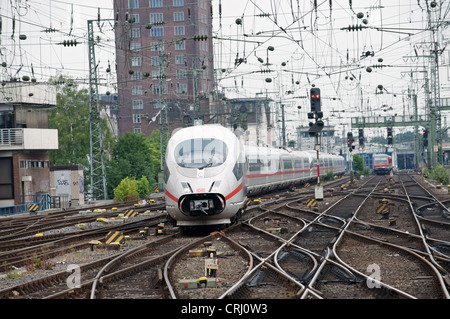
(435,265)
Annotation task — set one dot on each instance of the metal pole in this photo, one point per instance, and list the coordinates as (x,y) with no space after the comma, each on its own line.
(283,125)
(97,162)
(318,165)
(319,188)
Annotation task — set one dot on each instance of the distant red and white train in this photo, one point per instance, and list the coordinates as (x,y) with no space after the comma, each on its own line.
(382,164)
(208,173)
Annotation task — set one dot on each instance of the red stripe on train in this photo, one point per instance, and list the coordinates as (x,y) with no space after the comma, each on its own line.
(234,192)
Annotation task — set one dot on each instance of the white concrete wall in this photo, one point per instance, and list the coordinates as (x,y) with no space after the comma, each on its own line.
(40,139)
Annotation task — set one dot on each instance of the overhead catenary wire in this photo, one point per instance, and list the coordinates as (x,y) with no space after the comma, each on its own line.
(306,35)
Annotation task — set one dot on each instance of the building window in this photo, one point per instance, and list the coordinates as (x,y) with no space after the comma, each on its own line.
(136,90)
(179,45)
(178,16)
(181,88)
(6,119)
(135,33)
(137,104)
(133,4)
(136,61)
(178,30)
(136,76)
(157,46)
(137,130)
(155,60)
(156,75)
(157,32)
(180,59)
(158,89)
(156,17)
(157,104)
(203,18)
(178,3)
(37,164)
(155,4)
(135,46)
(135,18)
(137,118)
(181,74)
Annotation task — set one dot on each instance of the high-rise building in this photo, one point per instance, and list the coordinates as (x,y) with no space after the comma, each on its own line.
(164,63)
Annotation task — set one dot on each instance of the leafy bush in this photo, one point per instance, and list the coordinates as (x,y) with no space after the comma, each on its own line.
(358,166)
(365,171)
(126,190)
(358,163)
(440,174)
(143,187)
(330,176)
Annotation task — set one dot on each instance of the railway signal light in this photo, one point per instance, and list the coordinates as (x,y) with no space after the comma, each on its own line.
(425,138)
(350,141)
(389,136)
(361,137)
(316,113)
(315,101)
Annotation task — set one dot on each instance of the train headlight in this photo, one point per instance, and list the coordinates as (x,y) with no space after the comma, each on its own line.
(186,188)
(215,186)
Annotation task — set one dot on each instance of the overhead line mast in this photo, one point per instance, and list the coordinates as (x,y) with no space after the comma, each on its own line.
(97,160)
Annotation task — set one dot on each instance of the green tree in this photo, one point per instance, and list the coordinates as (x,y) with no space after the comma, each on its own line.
(155,153)
(358,163)
(126,190)
(70,117)
(134,156)
(143,187)
(358,166)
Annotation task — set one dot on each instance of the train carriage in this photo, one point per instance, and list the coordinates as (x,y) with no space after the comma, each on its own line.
(209,174)
(382,164)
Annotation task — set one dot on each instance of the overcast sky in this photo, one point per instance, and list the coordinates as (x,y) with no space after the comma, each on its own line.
(310,47)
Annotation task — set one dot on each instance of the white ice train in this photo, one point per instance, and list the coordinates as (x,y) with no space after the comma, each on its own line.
(208,173)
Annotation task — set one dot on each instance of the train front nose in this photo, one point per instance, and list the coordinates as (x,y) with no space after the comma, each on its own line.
(202,204)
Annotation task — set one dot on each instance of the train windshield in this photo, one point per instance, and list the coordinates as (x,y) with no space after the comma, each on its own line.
(201,153)
(380,160)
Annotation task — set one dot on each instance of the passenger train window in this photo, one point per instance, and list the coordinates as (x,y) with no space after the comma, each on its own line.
(201,153)
(255,165)
(298,163)
(287,164)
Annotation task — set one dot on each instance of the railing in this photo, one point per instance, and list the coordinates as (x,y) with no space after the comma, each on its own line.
(12,210)
(11,136)
(157,188)
(43,200)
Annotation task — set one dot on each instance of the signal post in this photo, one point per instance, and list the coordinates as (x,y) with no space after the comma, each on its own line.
(315,130)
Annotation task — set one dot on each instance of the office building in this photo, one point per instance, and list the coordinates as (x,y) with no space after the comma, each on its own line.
(164,63)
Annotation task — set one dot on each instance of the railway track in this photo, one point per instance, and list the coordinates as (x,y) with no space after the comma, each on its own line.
(342,247)
(47,235)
